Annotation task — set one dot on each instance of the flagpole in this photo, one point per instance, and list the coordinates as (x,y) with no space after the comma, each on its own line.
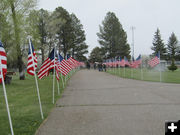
(37,86)
(132,70)
(62,80)
(54,75)
(119,66)
(6,100)
(142,78)
(124,67)
(58,80)
(113,65)
(160,66)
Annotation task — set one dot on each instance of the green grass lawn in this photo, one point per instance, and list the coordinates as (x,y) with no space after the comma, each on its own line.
(148,75)
(24,105)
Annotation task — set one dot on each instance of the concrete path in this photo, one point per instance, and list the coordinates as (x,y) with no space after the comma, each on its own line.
(97,103)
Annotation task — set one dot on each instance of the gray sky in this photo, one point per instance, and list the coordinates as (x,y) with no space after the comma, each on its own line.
(144,15)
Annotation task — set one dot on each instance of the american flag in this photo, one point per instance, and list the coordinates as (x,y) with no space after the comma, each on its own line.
(74,63)
(122,62)
(154,61)
(63,66)
(126,61)
(136,63)
(114,62)
(32,60)
(57,74)
(3,62)
(47,65)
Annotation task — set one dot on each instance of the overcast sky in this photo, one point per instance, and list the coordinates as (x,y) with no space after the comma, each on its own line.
(144,15)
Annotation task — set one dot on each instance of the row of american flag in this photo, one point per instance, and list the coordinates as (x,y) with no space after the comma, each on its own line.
(133,64)
(53,61)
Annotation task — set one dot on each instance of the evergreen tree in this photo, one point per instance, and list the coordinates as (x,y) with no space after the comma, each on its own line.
(43,16)
(64,31)
(172,50)
(78,45)
(113,38)
(172,46)
(158,45)
(96,55)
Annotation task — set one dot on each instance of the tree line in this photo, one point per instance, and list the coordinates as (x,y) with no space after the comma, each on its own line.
(20,19)
(169,51)
(113,42)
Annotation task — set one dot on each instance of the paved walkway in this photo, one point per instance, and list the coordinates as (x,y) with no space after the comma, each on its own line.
(96,103)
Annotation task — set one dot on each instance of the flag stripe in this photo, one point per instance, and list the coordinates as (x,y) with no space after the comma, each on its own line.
(3,60)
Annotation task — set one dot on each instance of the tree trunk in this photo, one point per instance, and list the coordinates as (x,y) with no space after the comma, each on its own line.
(65,54)
(73,52)
(17,42)
(42,53)
(21,68)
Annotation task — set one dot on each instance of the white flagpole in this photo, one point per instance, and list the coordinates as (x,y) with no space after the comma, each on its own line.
(62,80)
(124,67)
(54,74)
(132,71)
(6,100)
(119,66)
(142,78)
(37,87)
(113,66)
(58,80)
(160,76)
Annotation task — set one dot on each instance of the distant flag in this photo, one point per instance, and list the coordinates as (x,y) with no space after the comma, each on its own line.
(63,66)
(3,59)
(31,57)
(138,60)
(126,61)
(136,63)
(122,62)
(47,65)
(74,63)
(115,62)
(154,61)
(110,62)
(82,64)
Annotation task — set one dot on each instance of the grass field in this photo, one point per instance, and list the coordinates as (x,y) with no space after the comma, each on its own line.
(24,105)
(147,74)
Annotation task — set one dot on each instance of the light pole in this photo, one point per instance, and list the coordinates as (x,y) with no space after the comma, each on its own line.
(132,28)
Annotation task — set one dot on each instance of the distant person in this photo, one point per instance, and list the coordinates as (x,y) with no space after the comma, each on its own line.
(100,67)
(104,67)
(88,65)
(95,66)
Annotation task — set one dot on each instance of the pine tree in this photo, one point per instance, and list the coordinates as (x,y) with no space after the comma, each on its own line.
(63,29)
(96,55)
(79,47)
(158,45)
(42,26)
(112,37)
(172,46)
(172,50)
